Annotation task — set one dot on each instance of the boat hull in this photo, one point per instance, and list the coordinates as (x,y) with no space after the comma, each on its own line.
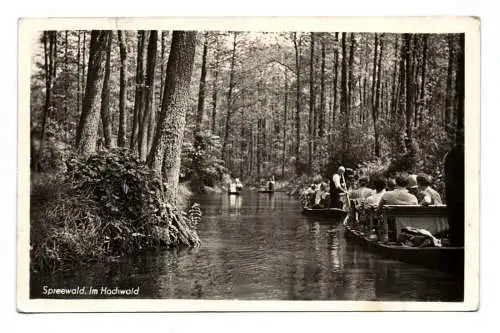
(449,259)
(335,213)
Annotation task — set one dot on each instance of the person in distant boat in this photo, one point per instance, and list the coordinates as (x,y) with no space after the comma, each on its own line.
(270,184)
(337,187)
(427,195)
(238,183)
(413,185)
(320,197)
(400,195)
(363,191)
(391,184)
(309,195)
(374,199)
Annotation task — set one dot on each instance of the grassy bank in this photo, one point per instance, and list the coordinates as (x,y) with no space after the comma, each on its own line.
(107,206)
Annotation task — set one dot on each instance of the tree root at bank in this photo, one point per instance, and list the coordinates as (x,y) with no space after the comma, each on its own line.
(106,206)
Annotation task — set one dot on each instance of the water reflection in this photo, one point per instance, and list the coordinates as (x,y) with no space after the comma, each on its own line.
(235,203)
(260,246)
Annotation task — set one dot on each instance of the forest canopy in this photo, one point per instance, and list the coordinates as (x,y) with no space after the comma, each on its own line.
(251,104)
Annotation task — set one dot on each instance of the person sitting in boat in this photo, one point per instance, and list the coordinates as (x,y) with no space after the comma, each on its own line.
(363,191)
(400,195)
(391,184)
(270,184)
(310,195)
(413,185)
(427,195)
(320,197)
(337,187)
(238,183)
(374,199)
(232,188)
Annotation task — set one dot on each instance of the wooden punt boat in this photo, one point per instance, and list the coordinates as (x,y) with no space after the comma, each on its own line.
(391,220)
(449,259)
(265,191)
(233,192)
(334,213)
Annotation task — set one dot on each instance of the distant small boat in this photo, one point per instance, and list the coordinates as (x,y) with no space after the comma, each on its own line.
(335,213)
(234,193)
(266,191)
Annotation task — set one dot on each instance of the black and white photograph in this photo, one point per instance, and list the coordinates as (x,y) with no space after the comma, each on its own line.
(233,161)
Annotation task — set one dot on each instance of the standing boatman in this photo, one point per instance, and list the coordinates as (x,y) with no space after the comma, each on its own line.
(337,186)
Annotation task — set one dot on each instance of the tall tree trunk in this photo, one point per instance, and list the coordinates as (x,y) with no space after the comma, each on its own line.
(394,99)
(401,89)
(49,55)
(214,87)
(377,98)
(201,92)
(351,71)
(152,118)
(335,80)
(347,88)
(122,102)
(86,137)
(296,45)
(105,111)
(242,144)
(172,118)
(139,90)
(78,77)
(259,145)
(229,99)
(422,88)
(283,161)
(410,103)
(83,66)
(344,98)
(365,106)
(361,106)
(448,114)
(374,76)
(322,91)
(66,85)
(214,91)
(162,63)
(54,65)
(311,108)
(417,66)
(148,94)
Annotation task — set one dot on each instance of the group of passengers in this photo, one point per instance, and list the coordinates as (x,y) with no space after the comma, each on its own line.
(404,189)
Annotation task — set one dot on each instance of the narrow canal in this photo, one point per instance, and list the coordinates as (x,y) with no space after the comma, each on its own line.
(260,246)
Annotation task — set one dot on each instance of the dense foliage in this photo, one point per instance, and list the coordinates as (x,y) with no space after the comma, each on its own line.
(201,161)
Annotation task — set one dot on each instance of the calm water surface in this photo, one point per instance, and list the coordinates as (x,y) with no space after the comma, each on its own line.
(260,246)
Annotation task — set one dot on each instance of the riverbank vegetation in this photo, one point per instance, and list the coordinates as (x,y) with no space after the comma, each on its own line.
(108,205)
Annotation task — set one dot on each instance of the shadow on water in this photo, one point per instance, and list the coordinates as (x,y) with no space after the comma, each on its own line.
(260,246)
